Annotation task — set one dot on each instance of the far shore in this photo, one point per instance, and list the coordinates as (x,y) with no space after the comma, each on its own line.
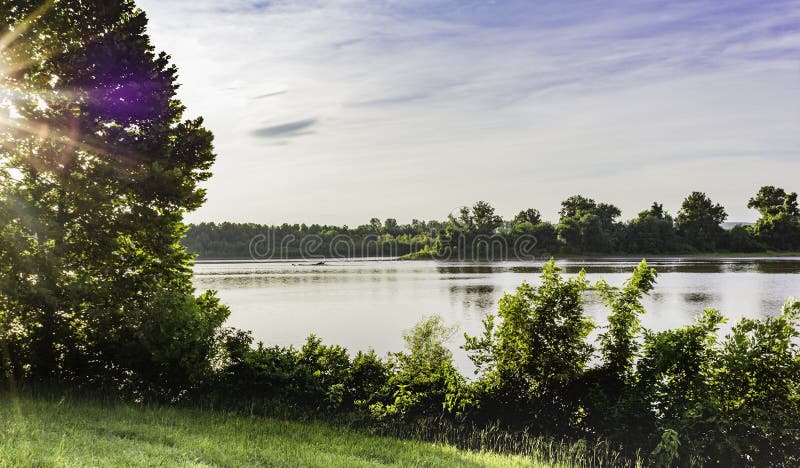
(626,257)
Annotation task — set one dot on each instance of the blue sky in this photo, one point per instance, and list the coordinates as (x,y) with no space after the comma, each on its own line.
(335,111)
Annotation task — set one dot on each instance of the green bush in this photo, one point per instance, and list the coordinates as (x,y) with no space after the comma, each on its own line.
(424,383)
(684,396)
(529,361)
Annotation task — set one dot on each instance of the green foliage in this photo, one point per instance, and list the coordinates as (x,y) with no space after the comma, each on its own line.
(367,379)
(427,253)
(425,383)
(531,215)
(234,240)
(653,231)
(618,344)
(544,233)
(699,222)
(480,220)
(98,166)
(779,225)
(535,353)
(96,289)
(315,378)
(611,403)
(672,378)
(682,395)
(742,239)
(485,219)
(755,381)
(773,201)
(666,452)
(586,226)
(425,343)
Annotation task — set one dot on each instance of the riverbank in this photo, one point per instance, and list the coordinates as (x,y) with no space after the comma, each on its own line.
(429,256)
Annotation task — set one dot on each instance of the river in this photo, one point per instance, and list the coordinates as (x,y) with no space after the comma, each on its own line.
(363,304)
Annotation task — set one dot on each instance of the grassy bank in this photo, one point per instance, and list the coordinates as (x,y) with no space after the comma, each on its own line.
(43,432)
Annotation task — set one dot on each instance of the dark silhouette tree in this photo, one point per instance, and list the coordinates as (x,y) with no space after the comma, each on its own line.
(653,231)
(699,222)
(586,226)
(530,215)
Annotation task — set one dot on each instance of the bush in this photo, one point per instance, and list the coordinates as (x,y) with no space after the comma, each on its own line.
(424,384)
(684,396)
(531,358)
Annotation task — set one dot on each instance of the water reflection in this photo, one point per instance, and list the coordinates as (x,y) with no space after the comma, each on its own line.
(474,297)
(697,297)
(467,268)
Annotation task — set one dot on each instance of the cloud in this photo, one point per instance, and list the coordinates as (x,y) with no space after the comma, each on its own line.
(470,99)
(391,100)
(268,95)
(289,129)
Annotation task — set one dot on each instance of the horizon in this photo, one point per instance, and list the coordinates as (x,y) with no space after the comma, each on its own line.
(339,104)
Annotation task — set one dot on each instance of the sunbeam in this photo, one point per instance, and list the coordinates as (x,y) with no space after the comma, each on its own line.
(18,55)
(20,28)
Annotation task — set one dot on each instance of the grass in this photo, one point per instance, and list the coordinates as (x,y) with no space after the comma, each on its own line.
(426,253)
(47,432)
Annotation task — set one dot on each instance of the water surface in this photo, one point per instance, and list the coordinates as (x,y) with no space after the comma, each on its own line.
(364,304)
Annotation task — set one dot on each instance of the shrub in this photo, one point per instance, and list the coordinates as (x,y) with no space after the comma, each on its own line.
(530,359)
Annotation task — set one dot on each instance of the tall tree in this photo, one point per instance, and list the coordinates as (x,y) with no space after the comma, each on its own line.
(390,226)
(653,231)
(586,226)
(485,218)
(699,221)
(99,167)
(773,201)
(531,215)
(779,225)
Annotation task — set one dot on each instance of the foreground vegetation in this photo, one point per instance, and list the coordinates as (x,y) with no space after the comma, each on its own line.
(684,396)
(46,432)
(544,390)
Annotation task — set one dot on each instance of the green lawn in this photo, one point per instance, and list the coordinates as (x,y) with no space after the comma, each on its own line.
(41,432)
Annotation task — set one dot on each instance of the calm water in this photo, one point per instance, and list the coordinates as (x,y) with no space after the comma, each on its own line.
(367,304)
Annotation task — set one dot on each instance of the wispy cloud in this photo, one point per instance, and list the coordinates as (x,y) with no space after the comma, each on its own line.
(289,129)
(477,99)
(268,95)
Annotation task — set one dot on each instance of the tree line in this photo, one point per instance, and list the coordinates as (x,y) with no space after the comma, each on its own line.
(584,227)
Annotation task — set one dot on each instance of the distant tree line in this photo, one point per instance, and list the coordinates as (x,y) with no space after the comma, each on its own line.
(585,227)
(246,240)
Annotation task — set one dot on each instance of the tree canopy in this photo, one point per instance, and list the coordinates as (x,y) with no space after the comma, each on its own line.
(779,224)
(699,221)
(98,167)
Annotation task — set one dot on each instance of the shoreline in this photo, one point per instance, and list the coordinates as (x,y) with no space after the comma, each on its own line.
(544,258)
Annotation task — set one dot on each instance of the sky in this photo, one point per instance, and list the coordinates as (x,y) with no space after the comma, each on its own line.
(337,111)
